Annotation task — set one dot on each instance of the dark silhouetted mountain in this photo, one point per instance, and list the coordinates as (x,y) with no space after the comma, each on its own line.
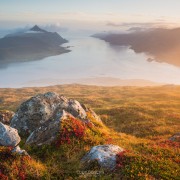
(33,44)
(161,44)
(37,28)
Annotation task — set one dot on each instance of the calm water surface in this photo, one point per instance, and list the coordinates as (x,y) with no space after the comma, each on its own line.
(89,58)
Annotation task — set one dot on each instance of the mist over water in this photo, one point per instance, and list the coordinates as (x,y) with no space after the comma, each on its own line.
(89,58)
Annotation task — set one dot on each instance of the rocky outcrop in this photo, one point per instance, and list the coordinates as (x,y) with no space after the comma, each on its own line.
(35,112)
(8,136)
(48,132)
(41,117)
(5,116)
(38,111)
(105,155)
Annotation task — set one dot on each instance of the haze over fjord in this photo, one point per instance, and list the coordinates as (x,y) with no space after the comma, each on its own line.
(161,44)
(150,28)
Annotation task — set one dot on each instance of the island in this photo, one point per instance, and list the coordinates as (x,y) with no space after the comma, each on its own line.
(33,44)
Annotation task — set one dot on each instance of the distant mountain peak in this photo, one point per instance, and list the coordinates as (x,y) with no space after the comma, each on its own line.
(37,28)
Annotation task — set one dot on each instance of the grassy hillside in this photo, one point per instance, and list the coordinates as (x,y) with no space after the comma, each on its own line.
(140,120)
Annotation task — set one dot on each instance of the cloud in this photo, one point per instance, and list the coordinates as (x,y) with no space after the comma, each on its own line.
(113,24)
(143,25)
(49,27)
(132,24)
(55,28)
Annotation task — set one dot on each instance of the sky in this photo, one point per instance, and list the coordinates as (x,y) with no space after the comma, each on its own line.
(87,14)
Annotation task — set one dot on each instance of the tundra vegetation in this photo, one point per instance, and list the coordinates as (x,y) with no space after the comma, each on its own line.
(140,120)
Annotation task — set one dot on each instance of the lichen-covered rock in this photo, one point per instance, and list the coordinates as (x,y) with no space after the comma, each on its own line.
(35,112)
(105,155)
(175,137)
(48,132)
(44,108)
(75,108)
(65,130)
(8,136)
(6,116)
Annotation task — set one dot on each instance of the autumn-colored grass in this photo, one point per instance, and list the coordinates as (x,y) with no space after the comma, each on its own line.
(140,120)
(19,167)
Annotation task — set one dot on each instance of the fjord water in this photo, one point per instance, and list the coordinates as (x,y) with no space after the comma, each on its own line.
(89,58)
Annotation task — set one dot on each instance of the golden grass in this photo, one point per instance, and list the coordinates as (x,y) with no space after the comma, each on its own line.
(139,119)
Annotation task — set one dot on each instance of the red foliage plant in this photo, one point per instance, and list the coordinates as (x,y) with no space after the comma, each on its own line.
(3,177)
(70,128)
(6,154)
(22,170)
(166,144)
(18,170)
(109,141)
(120,159)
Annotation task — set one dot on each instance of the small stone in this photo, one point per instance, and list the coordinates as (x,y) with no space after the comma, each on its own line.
(19,151)
(175,137)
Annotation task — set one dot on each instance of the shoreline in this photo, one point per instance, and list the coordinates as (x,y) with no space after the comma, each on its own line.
(33,57)
(97,82)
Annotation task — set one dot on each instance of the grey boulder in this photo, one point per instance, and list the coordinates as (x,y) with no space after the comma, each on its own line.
(43,108)
(34,112)
(48,132)
(105,155)
(8,136)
